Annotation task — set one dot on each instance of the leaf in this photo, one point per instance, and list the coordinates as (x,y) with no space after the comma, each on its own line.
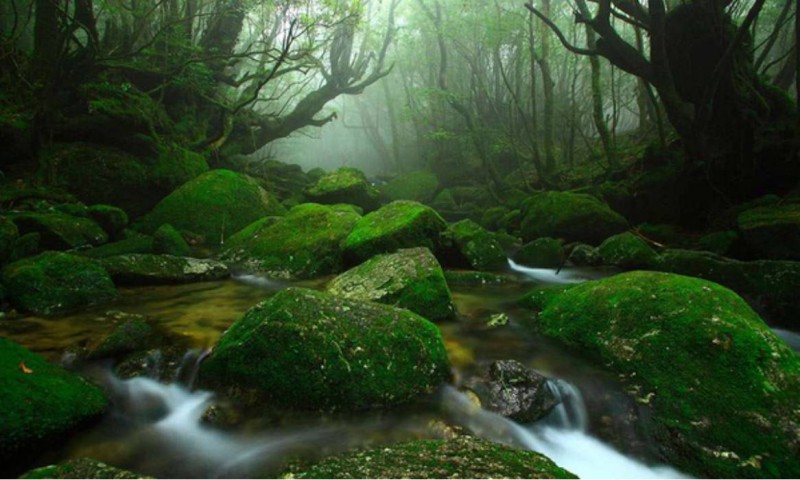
(25,369)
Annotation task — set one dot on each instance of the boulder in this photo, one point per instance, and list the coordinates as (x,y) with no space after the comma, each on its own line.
(149,269)
(80,468)
(55,283)
(543,252)
(214,205)
(583,255)
(722,243)
(60,231)
(409,278)
(135,334)
(169,241)
(8,237)
(722,388)
(42,403)
(419,186)
(515,391)
(345,185)
(312,350)
(626,250)
(306,243)
(569,216)
(134,243)
(772,232)
(400,224)
(27,245)
(111,219)
(466,244)
(460,457)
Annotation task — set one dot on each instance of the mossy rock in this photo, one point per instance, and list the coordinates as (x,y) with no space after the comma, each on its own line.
(492,218)
(60,231)
(55,283)
(730,408)
(214,205)
(721,243)
(409,278)
(250,231)
(627,250)
(543,252)
(133,335)
(8,238)
(583,255)
(147,269)
(312,350)
(112,219)
(461,457)
(345,185)
(444,202)
(400,224)
(467,244)
(42,403)
(169,241)
(306,243)
(419,186)
(772,232)
(80,468)
(27,245)
(136,243)
(471,278)
(511,221)
(570,216)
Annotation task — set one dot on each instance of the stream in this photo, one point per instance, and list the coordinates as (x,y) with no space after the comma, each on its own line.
(157,429)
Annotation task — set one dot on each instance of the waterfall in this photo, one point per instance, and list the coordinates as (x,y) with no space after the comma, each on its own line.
(549,275)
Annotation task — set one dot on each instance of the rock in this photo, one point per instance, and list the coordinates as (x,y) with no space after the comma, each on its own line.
(60,231)
(626,250)
(8,238)
(467,244)
(492,218)
(306,243)
(133,335)
(111,219)
(80,468)
(419,186)
(214,205)
(147,269)
(169,241)
(57,283)
(584,255)
(400,224)
(444,202)
(409,278)
(345,185)
(312,350)
(569,216)
(772,232)
(511,221)
(467,278)
(27,245)
(515,391)
(42,403)
(730,409)
(136,243)
(543,252)
(461,457)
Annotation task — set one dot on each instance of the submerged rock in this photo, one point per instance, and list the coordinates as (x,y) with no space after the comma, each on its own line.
(41,404)
(345,185)
(722,387)
(772,232)
(147,269)
(515,391)
(543,252)
(569,216)
(409,278)
(312,350)
(467,244)
(55,283)
(80,468)
(626,250)
(461,457)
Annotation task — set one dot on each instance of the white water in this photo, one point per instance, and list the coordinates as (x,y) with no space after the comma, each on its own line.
(259,281)
(791,338)
(549,275)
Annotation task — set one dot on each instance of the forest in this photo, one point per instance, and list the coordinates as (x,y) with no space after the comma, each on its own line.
(399,239)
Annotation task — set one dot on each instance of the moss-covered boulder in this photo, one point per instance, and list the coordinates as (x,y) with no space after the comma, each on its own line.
(722,387)
(466,244)
(345,185)
(60,231)
(400,224)
(57,283)
(627,250)
(543,252)
(772,232)
(306,243)
(721,243)
(26,245)
(80,468)
(471,278)
(409,278)
(570,216)
(134,243)
(41,404)
(214,205)
(419,186)
(111,219)
(148,269)
(444,202)
(133,335)
(584,255)
(461,457)
(168,240)
(312,350)
(8,237)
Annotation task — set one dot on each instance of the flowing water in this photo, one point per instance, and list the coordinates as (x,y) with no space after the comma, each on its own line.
(157,428)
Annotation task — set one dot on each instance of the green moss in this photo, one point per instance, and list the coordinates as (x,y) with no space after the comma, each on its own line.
(511,221)
(571,216)
(772,232)
(409,278)
(419,186)
(468,278)
(306,243)
(146,269)
(400,224)
(133,244)
(492,218)
(112,219)
(719,242)
(57,283)
(8,237)
(250,231)
(129,337)
(169,241)
(467,244)
(41,403)
(730,409)
(214,205)
(80,468)
(462,457)
(583,255)
(444,202)
(345,185)
(627,250)
(350,355)
(60,231)
(543,252)
(27,245)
